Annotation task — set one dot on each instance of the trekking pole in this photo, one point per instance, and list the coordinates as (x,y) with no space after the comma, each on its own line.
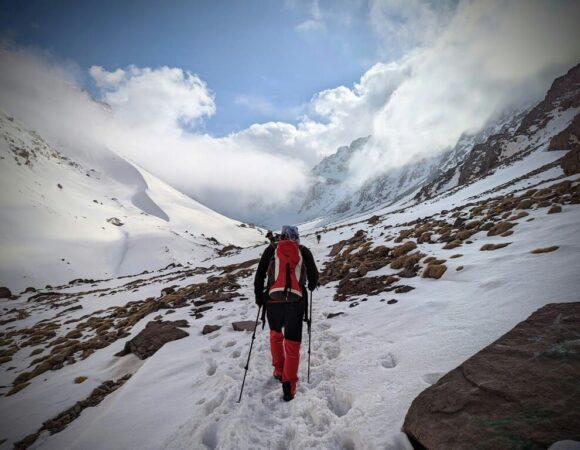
(250,353)
(309,333)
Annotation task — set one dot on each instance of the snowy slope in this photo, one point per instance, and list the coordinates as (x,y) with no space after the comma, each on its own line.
(367,364)
(58,206)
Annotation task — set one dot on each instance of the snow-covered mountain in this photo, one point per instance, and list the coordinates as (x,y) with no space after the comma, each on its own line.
(68,213)
(513,135)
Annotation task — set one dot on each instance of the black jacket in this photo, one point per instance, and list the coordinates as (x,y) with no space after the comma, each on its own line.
(262,271)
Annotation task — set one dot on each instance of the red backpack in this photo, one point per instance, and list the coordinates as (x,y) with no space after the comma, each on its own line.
(286,274)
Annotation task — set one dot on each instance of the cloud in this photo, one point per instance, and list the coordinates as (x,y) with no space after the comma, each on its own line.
(157,98)
(491,56)
(239,180)
(311,26)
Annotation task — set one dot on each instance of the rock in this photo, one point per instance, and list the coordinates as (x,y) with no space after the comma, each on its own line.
(332,315)
(487,247)
(458,255)
(500,227)
(5,292)
(521,391)
(29,289)
(555,209)
(400,250)
(392,301)
(452,245)
(545,249)
(403,289)
(459,268)
(154,336)
(406,273)
(434,271)
(374,220)
(166,291)
(79,380)
(525,204)
(353,304)
(336,248)
(115,221)
(570,163)
(244,325)
(207,329)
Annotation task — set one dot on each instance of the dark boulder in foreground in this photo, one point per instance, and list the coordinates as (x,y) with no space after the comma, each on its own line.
(519,392)
(5,292)
(154,336)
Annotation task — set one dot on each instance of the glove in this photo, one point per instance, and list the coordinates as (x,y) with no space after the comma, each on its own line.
(312,286)
(261,298)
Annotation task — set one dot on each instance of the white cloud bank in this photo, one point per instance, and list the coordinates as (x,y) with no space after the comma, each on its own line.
(466,63)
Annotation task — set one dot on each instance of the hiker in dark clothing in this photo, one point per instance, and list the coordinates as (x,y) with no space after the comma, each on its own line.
(318,237)
(290,269)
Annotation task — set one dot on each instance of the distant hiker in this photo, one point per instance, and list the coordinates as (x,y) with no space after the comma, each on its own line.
(318,237)
(270,237)
(288,267)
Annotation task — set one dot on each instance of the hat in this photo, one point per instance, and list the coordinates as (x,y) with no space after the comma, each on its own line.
(290,232)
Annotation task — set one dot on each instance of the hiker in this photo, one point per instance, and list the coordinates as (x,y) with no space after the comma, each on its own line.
(318,237)
(270,237)
(288,266)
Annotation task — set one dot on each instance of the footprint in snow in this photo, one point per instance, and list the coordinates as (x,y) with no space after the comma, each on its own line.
(229,344)
(389,361)
(211,368)
(236,354)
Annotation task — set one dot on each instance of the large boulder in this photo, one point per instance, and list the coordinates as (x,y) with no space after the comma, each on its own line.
(5,292)
(154,336)
(521,391)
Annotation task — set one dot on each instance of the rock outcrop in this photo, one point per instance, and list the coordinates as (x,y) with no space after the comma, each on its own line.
(521,391)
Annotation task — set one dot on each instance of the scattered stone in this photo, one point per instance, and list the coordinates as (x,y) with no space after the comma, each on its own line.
(518,392)
(374,220)
(353,304)
(115,221)
(207,329)
(451,245)
(403,289)
(166,291)
(458,255)
(5,292)
(459,268)
(332,315)
(61,421)
(555,209)
(545,249)
(154,336)
(244,325)
(500,227)
(407,273)
(507,233)
(392,301)
(336,248)
(434,271)
(487,247)
(79,380)
(404,248)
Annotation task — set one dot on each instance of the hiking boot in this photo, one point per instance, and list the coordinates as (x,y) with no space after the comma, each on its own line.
(287,390)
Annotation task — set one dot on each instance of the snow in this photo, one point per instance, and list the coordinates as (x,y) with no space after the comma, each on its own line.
(52,235)
(367,365)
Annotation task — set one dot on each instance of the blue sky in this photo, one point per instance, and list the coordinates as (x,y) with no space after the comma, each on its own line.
(263,60)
